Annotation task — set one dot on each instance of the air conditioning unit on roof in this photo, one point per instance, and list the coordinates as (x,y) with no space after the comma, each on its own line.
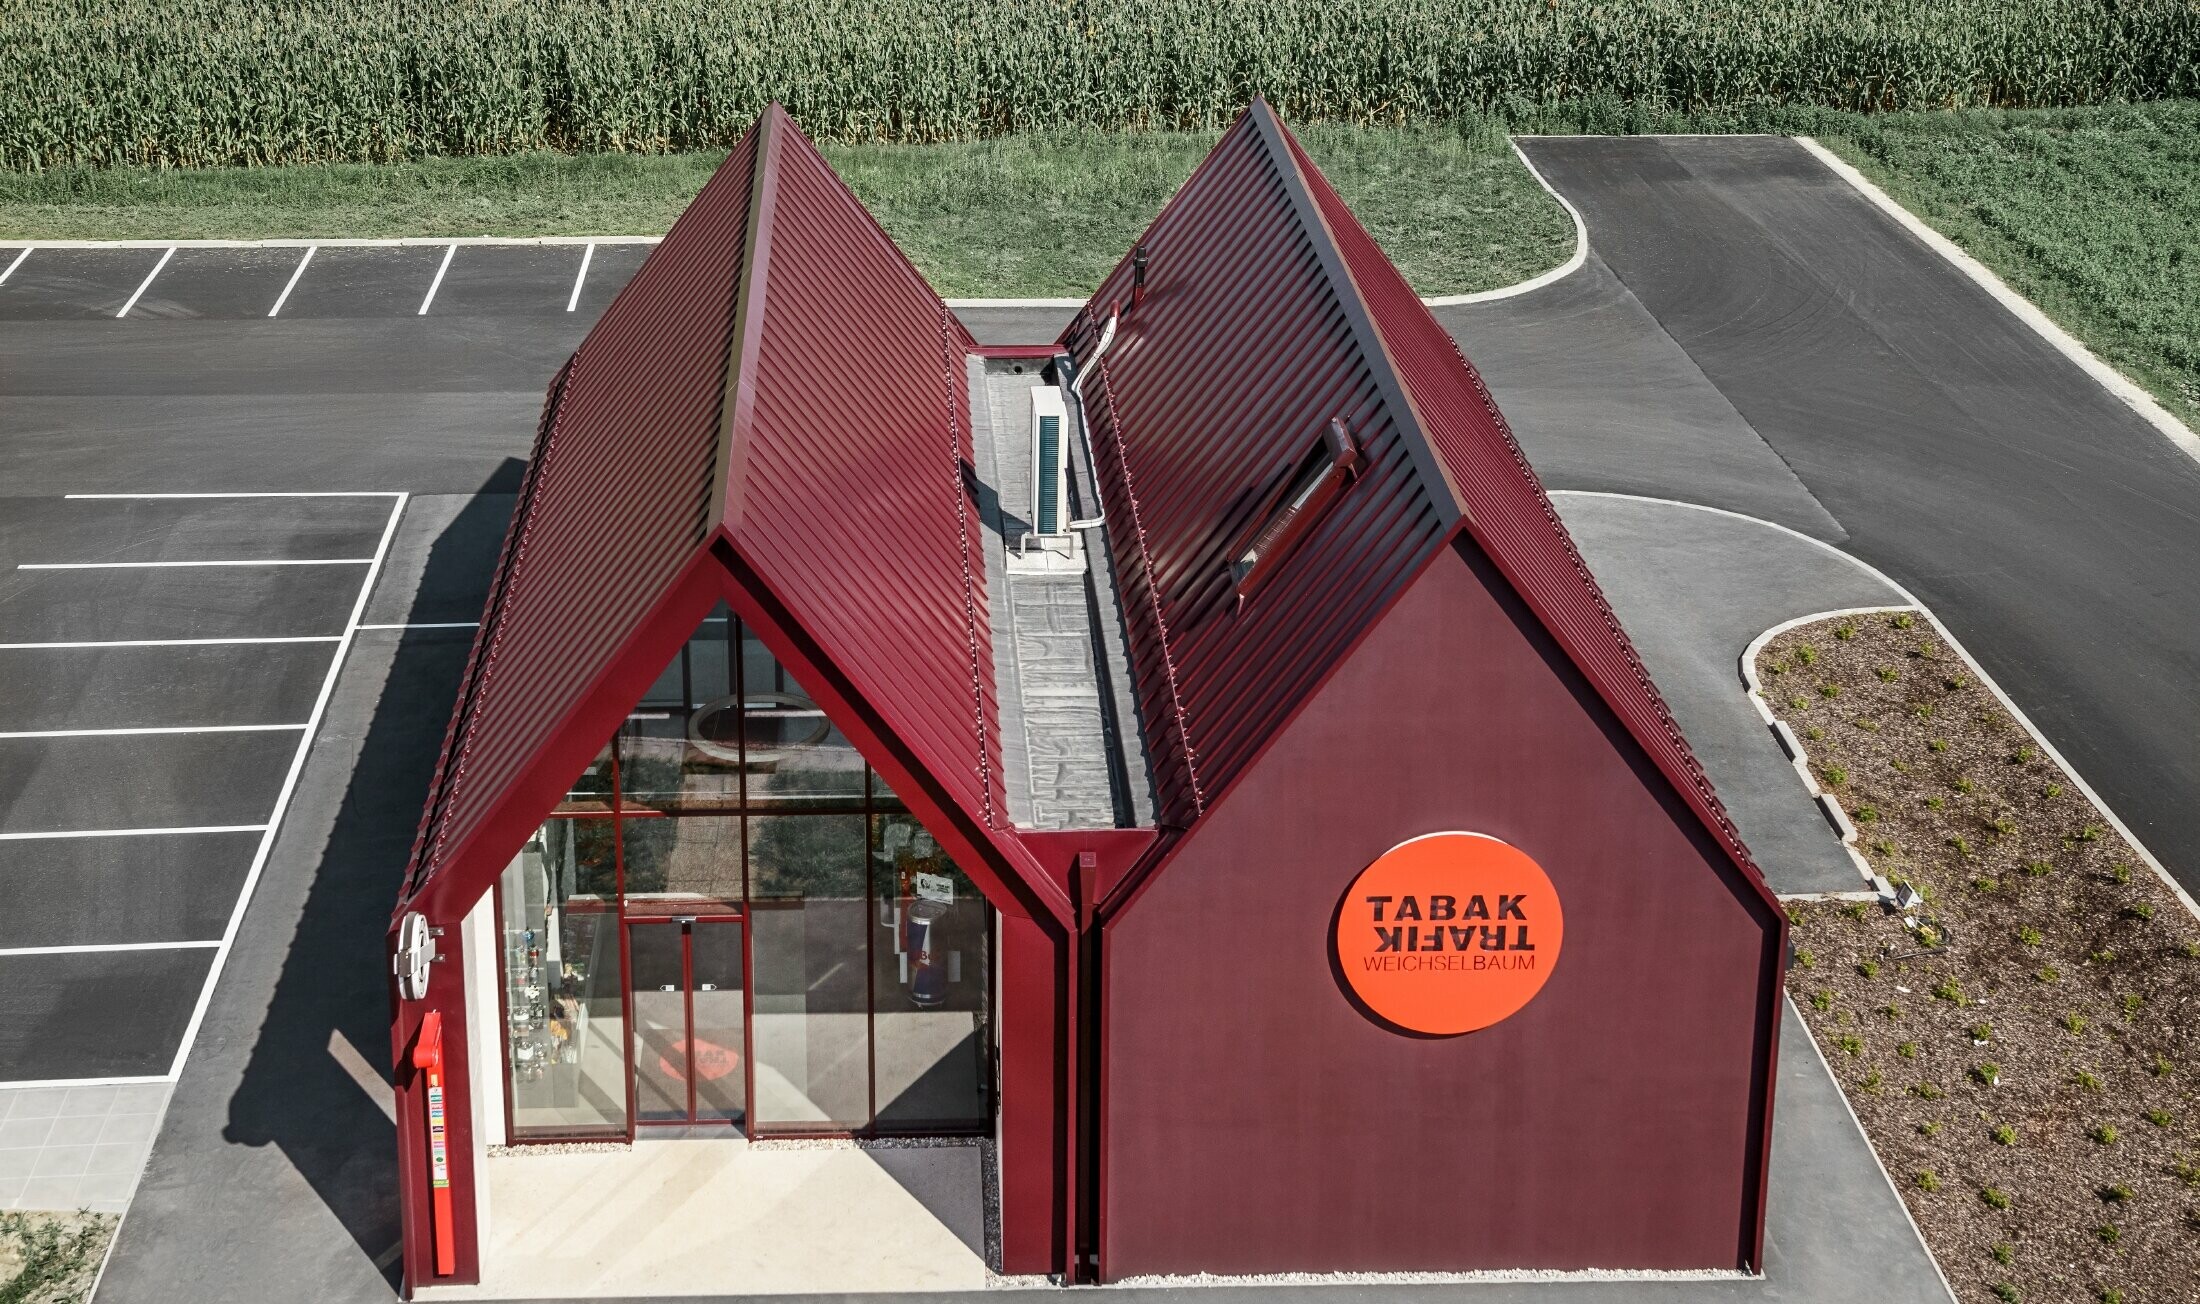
(1050,512)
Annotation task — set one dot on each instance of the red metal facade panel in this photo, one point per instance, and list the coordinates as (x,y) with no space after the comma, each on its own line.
(1255,1121)
(619,496)
(846,483)
(1217,383)
(1507,512)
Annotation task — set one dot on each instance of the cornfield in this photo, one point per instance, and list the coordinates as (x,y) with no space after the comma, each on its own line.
(200,82)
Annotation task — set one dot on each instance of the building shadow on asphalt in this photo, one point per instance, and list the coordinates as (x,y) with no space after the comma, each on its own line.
(330,1003)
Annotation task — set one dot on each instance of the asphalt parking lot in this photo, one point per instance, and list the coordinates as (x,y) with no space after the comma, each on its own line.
(167,659)
(313,281)
(2051,527)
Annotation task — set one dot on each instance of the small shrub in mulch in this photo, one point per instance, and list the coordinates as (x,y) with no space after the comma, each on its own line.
(2041,1030)
(51,1258)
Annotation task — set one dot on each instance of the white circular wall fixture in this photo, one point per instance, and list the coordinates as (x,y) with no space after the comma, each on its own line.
(415,956)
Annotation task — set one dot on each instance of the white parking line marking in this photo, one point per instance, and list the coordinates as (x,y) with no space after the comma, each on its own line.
(356,1068)
(147,281)
(150,565)
(292,283)
(276,493)
(132,833)
(586,255)
(441,624)
(30,1083)
(15,264)
(384,242)
(165,642)
(290,782)
(157,729)
(437,283)
(97,948)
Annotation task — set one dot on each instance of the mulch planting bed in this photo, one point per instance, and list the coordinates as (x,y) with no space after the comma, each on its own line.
(2026,1061)
(51,1258)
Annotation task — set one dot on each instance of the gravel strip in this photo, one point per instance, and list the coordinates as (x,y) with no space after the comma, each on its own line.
(1425,1278)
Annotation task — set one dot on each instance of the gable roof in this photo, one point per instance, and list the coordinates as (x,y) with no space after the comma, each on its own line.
(778,390)
(779,395)
(1269,311)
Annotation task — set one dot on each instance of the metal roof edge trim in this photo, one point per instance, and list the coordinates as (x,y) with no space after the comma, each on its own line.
(1279,145)
(449,761)
(1180,719)
(1691,780)
(954,373)
(662,626)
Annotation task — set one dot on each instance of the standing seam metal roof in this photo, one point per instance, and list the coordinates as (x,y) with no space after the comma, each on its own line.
(1510,517)
(617,499)
(777,375)
(1269,311)
(1220,380)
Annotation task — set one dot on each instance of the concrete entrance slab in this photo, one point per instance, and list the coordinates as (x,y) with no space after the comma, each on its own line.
(687,1217)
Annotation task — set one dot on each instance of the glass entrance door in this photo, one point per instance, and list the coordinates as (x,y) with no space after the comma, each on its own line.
(717,1022)
(690,1019)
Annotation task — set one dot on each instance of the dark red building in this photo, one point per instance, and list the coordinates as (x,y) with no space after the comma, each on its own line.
(1190,753)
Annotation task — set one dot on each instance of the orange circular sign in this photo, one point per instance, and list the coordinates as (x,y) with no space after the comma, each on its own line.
(1448,933)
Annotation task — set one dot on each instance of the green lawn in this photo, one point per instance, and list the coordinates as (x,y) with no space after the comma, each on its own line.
(2092,214)
(1021,216)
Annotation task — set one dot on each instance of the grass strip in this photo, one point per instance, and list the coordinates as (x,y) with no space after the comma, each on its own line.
(1041,215)
(2093,215)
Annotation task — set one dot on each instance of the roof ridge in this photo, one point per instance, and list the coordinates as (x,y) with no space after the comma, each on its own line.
(1277,142)
(723,494)
(1677,759)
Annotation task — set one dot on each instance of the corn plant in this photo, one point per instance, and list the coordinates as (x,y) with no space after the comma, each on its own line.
(199,82)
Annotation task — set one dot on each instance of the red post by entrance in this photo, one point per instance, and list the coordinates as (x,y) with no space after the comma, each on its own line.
(435,1134)
(428,1058)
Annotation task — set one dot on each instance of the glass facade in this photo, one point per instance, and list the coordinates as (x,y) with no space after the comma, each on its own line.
(564,1001)
(750,928)
(930,989)
(812,1021)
